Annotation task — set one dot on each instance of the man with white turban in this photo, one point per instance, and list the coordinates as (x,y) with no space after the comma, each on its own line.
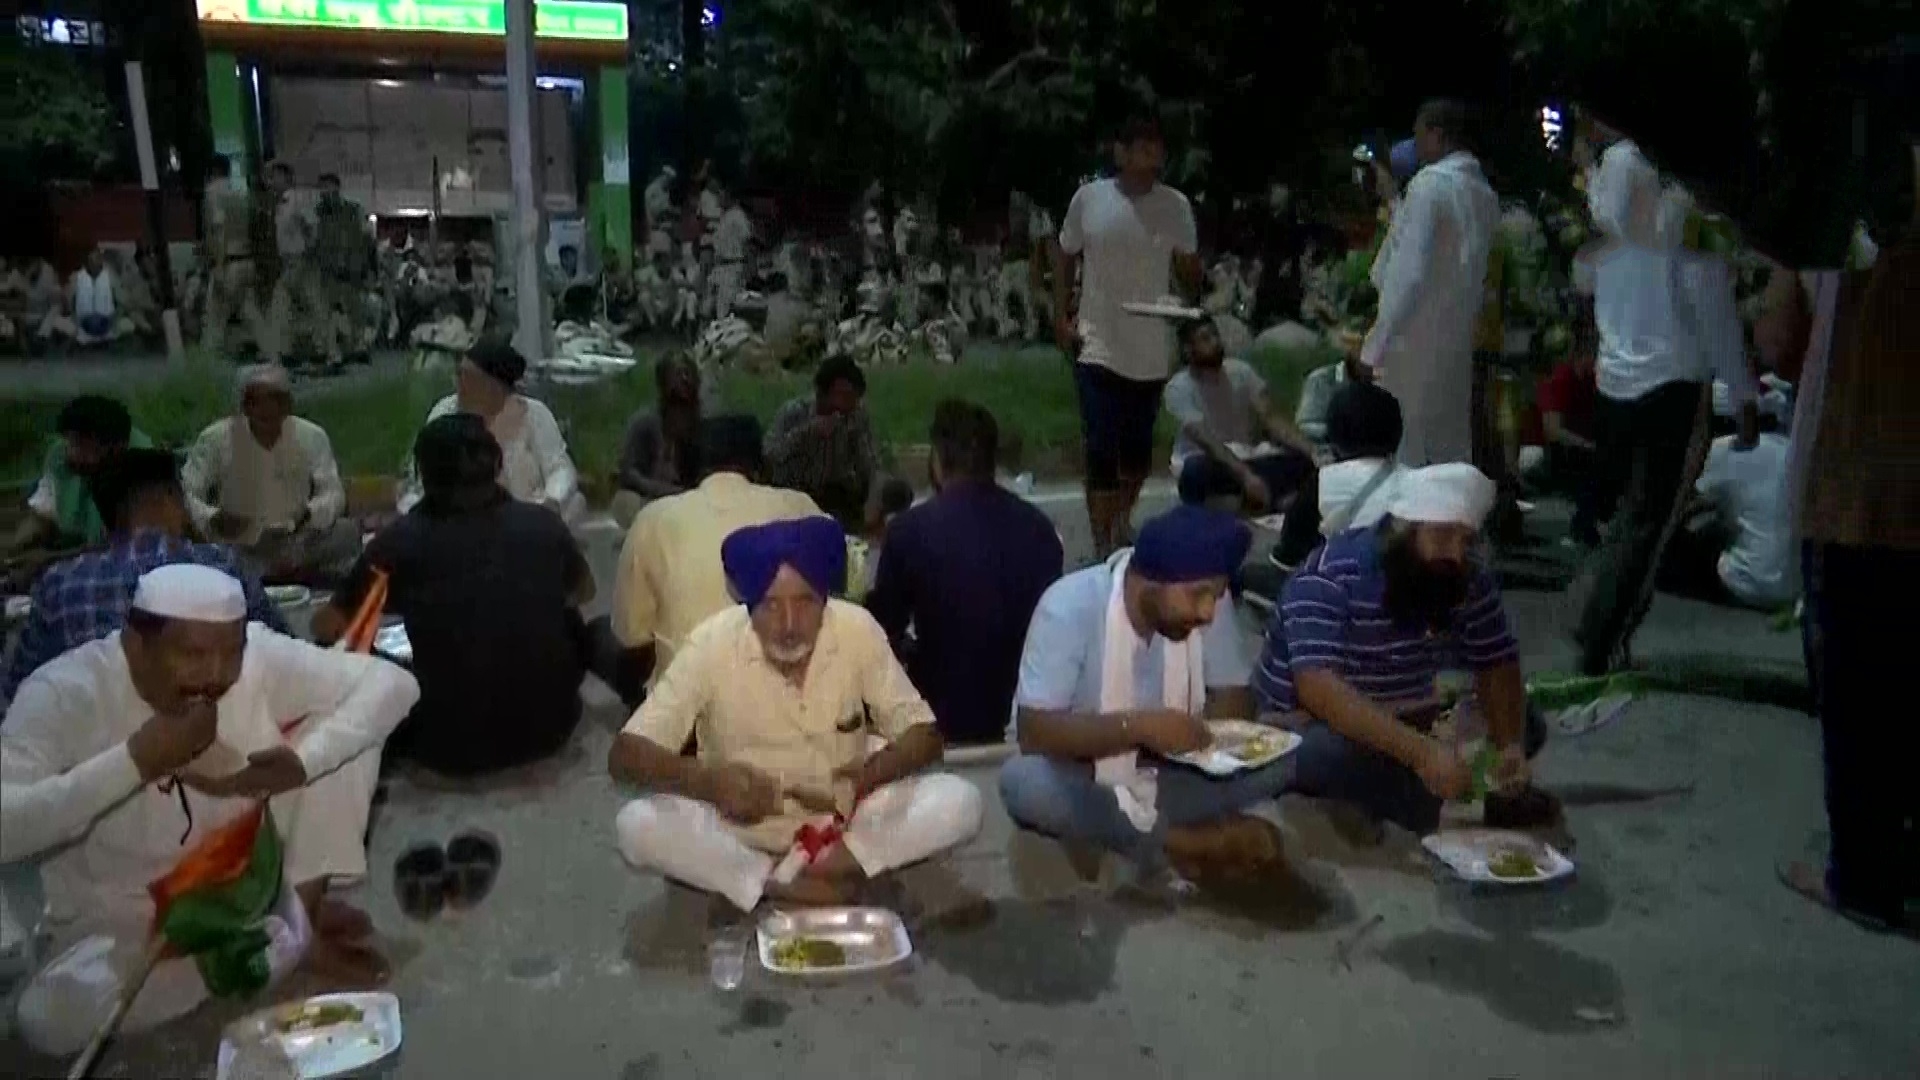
(266,481)
(1431,273)
(789,695)
(122,756)
(1361,632)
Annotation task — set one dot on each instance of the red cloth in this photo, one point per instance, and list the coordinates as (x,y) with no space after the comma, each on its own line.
(1573,395)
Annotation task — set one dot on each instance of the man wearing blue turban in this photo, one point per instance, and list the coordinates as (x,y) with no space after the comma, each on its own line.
(789,694)
(1129,656)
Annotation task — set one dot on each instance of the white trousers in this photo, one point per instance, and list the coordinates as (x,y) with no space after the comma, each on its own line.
(898,825)
(324,826)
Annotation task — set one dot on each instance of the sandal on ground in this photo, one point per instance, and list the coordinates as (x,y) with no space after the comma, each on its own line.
(420,881)
(473,865)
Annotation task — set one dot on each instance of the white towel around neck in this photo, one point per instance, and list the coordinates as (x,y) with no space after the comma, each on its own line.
(1181,687)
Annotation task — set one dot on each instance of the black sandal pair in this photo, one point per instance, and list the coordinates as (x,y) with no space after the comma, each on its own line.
(428,878)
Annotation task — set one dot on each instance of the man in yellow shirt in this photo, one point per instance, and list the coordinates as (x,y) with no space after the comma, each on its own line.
(670,579)
(788,692)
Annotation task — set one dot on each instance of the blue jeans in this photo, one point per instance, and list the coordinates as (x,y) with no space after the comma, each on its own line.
(1060,799)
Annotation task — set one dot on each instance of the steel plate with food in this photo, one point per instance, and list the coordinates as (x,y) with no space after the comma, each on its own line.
(1497,857)
(330,1035)
(832,941)
(1239,745)
(289,595)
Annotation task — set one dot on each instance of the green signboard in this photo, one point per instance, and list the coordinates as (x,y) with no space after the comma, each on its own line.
(574,20)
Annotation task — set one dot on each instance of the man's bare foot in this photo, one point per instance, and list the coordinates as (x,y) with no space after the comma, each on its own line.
(1235,847)
(346,965)
(339,921)
(814,890)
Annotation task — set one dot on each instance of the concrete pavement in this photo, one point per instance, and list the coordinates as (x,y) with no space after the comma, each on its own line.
(1673,953)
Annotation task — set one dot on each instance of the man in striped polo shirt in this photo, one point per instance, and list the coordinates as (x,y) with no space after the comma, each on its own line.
(1362,630)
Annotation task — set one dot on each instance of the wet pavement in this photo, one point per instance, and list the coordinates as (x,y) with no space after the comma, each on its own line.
(1673,952)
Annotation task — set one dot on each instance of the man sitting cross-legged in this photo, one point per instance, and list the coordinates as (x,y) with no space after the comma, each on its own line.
(122,757)
(780,691)
(1363,629)
(1128,656)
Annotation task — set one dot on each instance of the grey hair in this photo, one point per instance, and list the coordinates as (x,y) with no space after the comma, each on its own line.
(272,375)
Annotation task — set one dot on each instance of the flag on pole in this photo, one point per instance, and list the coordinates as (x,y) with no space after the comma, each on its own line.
(213,905)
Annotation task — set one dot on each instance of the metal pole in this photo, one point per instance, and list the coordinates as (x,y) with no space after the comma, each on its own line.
(156,211)
(523,155)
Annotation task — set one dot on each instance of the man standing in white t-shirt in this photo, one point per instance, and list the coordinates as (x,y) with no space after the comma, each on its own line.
(1133,234)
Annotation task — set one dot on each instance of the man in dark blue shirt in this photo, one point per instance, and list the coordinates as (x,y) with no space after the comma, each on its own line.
(85,598)
(959,578)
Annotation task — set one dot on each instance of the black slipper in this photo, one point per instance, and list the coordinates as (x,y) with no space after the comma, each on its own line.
(473,863)
(420,881)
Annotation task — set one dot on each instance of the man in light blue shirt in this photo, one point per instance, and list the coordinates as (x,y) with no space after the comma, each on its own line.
(1071,712)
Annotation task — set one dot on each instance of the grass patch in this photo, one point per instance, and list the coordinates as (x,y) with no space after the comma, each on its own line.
(372,420)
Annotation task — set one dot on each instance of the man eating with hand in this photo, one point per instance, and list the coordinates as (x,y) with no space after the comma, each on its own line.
(120,757)
(1129,656)
(1361,632)
(781,692)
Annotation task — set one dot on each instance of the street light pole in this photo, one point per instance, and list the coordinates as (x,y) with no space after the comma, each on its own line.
(528,220)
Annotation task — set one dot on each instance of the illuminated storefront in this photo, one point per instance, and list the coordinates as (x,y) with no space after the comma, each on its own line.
(404,100)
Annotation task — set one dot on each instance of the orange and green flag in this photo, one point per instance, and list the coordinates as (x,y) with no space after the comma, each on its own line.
(213,905)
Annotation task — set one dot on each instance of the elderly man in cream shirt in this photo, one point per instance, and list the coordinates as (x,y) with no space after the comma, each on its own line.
(123,755)
(780,691)
(266,481)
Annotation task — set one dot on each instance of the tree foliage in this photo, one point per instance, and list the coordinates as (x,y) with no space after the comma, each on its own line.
(1749,101)
(55,119)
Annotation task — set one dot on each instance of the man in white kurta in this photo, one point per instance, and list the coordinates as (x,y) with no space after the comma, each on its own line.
(266,481)
(1431,274)
(121,756)
(779,691)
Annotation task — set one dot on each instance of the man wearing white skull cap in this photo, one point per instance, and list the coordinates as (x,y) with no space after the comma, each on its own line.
(121,756)
(1358,638)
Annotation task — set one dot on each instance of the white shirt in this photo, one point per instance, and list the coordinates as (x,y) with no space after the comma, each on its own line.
(730,237)
(292,225)
(1667,316)
(1129,245)
(229,470)
(534,465)
(71,794)
(1750,489)
(92,293)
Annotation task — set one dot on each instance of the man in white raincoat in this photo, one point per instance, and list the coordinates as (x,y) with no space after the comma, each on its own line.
(1431,274)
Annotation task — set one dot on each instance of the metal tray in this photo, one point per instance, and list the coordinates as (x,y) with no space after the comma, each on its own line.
(337,1049)
(1228,735)
(1467,851)
(873,938)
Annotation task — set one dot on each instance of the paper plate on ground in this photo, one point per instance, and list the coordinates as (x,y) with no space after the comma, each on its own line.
(1239,745)
(19,607)
(832,941)
(1497,857)
(331,1035)
(289,595)
(1162,309)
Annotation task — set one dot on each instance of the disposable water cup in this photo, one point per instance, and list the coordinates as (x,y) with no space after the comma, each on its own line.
(727,957)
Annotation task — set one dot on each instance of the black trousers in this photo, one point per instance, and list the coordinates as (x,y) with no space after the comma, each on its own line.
(1649,453)
(1857,598)
(1573,471)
